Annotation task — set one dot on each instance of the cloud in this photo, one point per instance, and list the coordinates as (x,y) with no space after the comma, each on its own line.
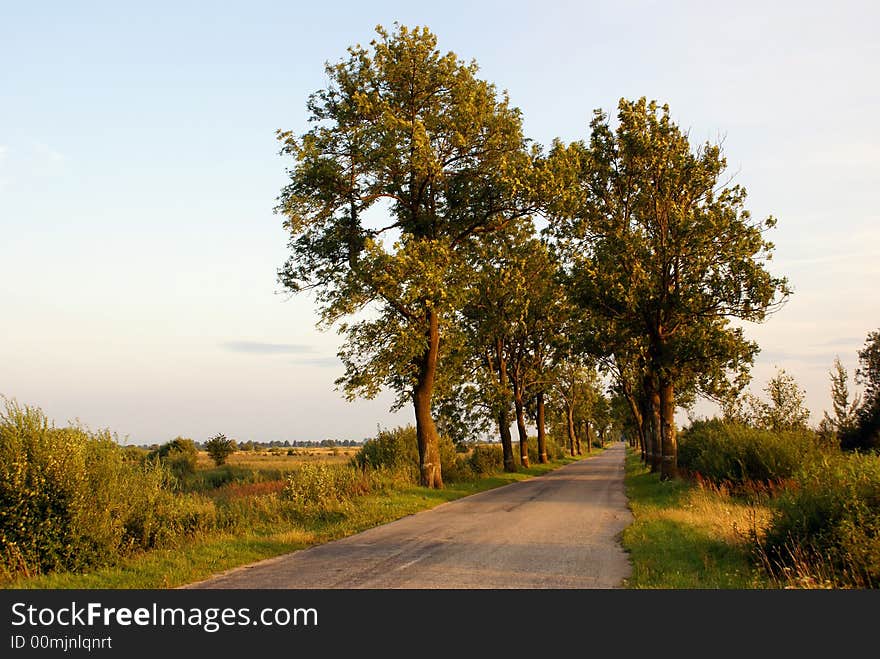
(3,151)
(843,342)
(322,362)
(260,348)
(48,154)
(779,357)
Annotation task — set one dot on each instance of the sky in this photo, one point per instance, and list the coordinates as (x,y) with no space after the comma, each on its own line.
(139,170)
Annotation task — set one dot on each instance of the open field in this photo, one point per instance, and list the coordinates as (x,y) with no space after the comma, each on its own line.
(279,459)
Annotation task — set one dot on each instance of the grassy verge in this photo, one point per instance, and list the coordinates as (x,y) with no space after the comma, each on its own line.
(209,554)
(689,536)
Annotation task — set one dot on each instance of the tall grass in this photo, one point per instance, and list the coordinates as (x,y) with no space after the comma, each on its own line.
(825,530)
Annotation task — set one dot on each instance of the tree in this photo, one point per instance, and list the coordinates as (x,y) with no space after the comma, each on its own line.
(864,433)
(831,428)
(220,448)
(784,409)
(511,318)
(401,123)
(657,244)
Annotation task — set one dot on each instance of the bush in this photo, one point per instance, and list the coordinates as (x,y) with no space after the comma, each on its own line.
(180,454)
(826,529)
(398,450)
(68,497)
(554,450)
(321,484)
(220,448)
(732,453)
(487,459)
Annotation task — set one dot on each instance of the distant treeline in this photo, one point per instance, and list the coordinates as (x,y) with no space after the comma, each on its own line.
(265,446)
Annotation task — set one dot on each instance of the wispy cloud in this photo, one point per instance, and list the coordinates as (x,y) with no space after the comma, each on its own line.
(260,348)
(49,155)
(843,342)
(783,357)
(322,362)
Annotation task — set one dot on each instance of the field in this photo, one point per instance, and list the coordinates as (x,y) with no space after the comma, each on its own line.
(279,459)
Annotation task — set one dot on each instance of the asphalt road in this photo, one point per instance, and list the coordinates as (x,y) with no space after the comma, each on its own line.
(559,530)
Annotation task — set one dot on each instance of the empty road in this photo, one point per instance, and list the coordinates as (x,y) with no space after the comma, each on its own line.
(554,531)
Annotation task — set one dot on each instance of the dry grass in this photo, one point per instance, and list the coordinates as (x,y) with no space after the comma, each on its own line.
(730,519)
(283,462)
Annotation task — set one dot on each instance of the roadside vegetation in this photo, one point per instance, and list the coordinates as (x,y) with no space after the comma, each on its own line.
(77,510)
(758,506)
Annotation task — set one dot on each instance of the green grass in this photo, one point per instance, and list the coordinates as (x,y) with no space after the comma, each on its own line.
(689,536)
(210,554)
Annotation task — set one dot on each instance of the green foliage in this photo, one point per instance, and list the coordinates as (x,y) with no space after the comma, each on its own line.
(320,484)
(555,451)
(70,499)
(487,459)
(220,448)
(826,530)
(784,408)
(404,125)
(658,251)
(733,453)
(397,450)
(180,455)
(864,433)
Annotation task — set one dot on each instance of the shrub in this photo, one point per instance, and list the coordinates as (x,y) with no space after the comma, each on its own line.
(321,484)
(68,497)
(554,450)
(826,529)
(220,448)
(732,453)
(398,450)
(180,454)
(487,459)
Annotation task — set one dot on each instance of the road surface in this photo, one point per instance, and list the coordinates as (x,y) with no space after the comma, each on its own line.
(559,530)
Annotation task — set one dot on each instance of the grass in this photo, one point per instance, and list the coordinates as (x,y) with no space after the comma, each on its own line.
(686,535)
(210,554)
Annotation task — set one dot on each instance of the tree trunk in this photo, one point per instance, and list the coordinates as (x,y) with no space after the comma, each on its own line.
(655,445)
(569,412)
(542,436)
(506,441)
(669,469)
(587,436)
(521,426)
(426,431)
(503,414)
(645,428)
(640,430)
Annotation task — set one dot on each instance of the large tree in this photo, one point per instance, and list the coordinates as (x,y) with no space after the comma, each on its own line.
(656,243)
(409,143)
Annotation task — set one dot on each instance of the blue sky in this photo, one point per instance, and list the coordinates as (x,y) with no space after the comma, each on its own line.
(139,168)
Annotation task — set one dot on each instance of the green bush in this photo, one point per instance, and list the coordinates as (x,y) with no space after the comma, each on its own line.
(724,452)
(398,450)
(68,497)
(826,529)
(487,459)
(554,450)
(219,447)
(322,484)
(180,454)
